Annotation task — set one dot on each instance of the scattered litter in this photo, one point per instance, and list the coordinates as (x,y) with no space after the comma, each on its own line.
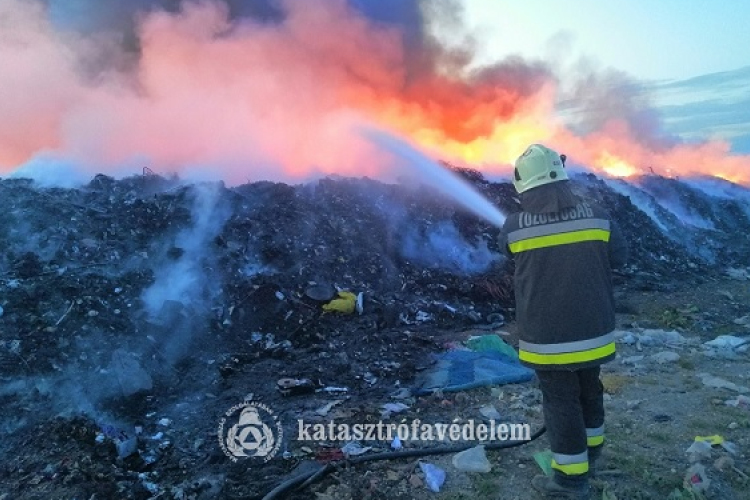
(719,383)
(165,422)
(544,460)
(323,410)
(360,304)
(345,304)
(472,460)
(463,370)
(739,402)
(665,357)
(391,408)
(320,292)
(491,343)
(738,273)
(490,412)
(696,478)
(126,447)
(729,342)
(295,387)
(333,390)
(354,448)
(434,476)
(396,443)
(279,295)
(699,450)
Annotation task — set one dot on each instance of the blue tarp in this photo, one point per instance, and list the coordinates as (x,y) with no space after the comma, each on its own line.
(460,370)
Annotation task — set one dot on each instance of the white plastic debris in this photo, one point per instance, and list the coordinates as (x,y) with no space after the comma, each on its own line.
(157,436)
(472,460)
(739,402)
(353,449)
(729,342)
(391,408)
(360,304)
(720,383)
(165,422)
(323,410)
(279,295)
(490,412)
(699,450)
(434,476)
(665,357)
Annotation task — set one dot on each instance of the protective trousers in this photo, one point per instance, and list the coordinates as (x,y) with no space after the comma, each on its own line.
(573,407)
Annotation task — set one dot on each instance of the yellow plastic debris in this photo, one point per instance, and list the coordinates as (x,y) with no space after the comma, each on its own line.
(345,304)
(712,440)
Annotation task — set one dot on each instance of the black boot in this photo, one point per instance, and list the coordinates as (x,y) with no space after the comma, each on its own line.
(549,488)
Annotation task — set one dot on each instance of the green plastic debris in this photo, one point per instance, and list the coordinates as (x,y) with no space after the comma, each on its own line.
(544,460)
(491,343)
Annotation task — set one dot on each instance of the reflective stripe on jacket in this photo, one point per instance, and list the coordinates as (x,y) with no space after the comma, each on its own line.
(563,285)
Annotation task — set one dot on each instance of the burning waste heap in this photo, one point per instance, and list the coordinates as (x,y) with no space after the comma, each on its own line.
(127,300)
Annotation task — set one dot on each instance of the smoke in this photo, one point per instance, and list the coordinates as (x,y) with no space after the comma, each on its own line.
(271,90)
(442,247)
(183,290)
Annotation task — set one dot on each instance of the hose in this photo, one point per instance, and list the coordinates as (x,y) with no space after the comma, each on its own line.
(308,478)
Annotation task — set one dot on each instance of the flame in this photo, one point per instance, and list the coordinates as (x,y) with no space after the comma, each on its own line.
(251,100)
(615,166)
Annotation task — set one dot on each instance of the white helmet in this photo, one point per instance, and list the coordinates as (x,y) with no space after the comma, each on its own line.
(538,165)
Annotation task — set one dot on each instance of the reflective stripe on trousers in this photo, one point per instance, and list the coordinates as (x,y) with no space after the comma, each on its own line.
(595,437)
(571,465)
(565,353)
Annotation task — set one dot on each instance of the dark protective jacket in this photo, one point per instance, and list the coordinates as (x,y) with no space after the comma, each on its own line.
(564,250)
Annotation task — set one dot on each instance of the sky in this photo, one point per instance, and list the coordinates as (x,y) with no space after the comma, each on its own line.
(281,89)
(649,39)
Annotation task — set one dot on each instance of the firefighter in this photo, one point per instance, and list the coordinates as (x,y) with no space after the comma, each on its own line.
(564,249)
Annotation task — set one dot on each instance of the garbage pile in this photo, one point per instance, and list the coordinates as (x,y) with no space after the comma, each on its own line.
(137,300)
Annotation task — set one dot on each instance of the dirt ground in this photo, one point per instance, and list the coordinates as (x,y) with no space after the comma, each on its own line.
(654,412)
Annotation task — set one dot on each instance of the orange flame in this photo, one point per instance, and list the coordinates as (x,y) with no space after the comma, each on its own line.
(251,101)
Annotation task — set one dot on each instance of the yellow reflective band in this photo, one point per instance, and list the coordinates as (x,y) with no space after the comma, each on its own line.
(567,358)
(559,239)
(594,441)
(571,469)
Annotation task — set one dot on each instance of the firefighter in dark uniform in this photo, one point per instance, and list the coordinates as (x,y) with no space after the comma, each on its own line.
(564,250)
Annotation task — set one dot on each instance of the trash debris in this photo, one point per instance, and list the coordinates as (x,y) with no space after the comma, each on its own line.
(360,304)
(729,342)
(739,402)
(491,343)
(345,304)
(665,357)
(490,413)
(320,292)
(391,408)
(544,460)
(696,478)
(295,387)
(323,410)
(130,376)
(719,383)
(396,443)
(462,370)
(434,476)
(738,273)
(698,451)
(472,460)
(354,448)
